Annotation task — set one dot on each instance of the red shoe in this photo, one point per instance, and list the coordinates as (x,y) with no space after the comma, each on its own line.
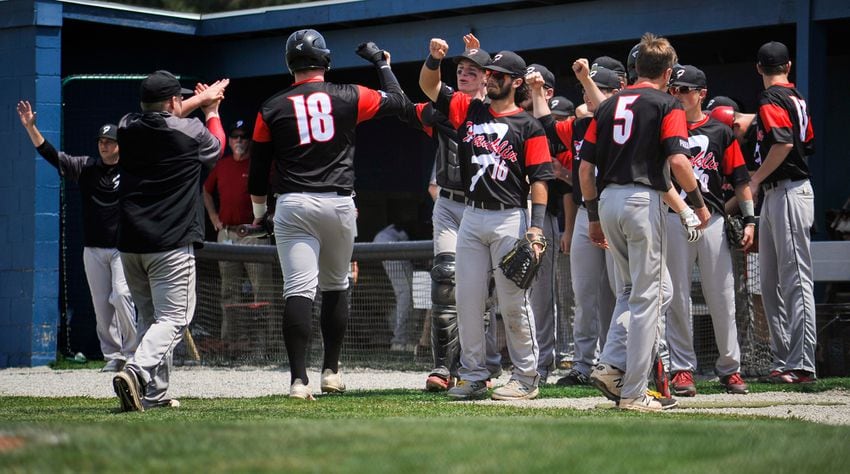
(734,384)
(435,383)
(682,384)
(801,376)
(777,376)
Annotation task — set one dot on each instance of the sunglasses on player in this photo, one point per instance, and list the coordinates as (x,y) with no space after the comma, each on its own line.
(683,89)
(499,76)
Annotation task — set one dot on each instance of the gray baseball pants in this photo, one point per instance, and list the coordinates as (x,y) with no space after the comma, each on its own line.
(785,265)
(542,298)
(484,238)
(711,253)
(113,305)
(163,287)
(633,219)
(593,283)
(260,275)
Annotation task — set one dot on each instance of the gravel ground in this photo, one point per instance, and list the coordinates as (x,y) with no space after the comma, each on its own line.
(831,407)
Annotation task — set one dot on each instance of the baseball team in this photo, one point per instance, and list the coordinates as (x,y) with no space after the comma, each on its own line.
(633,188)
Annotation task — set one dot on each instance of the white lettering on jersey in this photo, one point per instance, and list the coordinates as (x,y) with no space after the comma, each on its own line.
(489,137)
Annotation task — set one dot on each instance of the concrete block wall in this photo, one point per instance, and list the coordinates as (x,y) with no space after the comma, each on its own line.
(30,52)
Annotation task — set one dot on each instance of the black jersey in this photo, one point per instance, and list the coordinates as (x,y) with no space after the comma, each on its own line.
(501,153)
(99,191)
(784,118)
(306,133)
(631,136)
(715,156)
(748,145)
(448,171)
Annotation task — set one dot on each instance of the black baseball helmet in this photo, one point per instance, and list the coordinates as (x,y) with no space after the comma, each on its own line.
(306,49)
(630,63)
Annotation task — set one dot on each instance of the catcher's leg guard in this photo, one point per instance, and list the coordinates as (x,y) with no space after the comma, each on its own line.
(445,344)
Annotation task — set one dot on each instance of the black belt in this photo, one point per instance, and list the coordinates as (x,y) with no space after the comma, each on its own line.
(769,186)
(455,196)
(339,192)
(490,205)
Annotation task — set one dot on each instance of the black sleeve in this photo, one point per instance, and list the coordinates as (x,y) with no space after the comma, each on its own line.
(261,161)
(395,102)
(70,167)
(49,153)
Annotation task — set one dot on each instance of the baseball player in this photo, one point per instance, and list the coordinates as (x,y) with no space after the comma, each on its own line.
(306,134)
(635,140)
(785,140)
(589,263)
(503,149)
(98,178)
(161,221)
(447,214)
(715,156)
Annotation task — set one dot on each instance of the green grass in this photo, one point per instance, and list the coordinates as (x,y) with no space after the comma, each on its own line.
(406,431)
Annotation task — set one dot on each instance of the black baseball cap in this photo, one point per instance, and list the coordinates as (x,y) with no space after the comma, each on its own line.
(508,62)
(240,125)
(562,106)
(773,53)
(476,55)
(605,78)
(722,101)
(161,85)
(108,130)
(609,63)
(548,77)
(687,75)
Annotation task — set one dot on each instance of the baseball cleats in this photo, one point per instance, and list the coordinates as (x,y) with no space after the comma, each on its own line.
(778,376)
(438,383)
(126,386)
(114,365)
(574,377)
(165,403)
(608,380)
(299,390)
(647,403)
(682,384)
(734,384)
(515,390)
(468,390)
(332,382)
(802,376)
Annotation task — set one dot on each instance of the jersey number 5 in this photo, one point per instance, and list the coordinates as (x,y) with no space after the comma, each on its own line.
(623,130)
(313,115)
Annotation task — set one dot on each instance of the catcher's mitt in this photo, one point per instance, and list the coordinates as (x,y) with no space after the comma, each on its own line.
(734,231)
(520,264)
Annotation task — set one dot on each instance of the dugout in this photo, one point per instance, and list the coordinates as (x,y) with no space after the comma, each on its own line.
(46,42)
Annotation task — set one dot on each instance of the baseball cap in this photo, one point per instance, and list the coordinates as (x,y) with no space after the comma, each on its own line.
(476,55)
(548,77)
(605,78)
(687,75)
(773,53)
(508,62)
(240,125)
(609,63)
(160,86)
(108,130)
(562,106)
(722,101)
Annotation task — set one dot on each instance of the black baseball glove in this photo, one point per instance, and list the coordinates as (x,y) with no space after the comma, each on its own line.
(370,52)
(520,264)
(734,231)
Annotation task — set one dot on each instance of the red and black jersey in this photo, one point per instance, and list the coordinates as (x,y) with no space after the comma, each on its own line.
(784,118)
(306,133)
(631,136)
(715,156)
(500,154)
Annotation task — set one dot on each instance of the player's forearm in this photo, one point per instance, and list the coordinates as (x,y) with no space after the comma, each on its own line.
(541,105)
(587,178)
(570,212)
(775,157)
(681,169)
(591,91)
(35,135)
(674,200)
(429,81)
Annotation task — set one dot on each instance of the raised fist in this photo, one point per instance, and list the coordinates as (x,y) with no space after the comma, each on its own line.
(370,52)
(438,48)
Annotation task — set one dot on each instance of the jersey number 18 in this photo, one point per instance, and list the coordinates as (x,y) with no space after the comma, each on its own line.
(313,115)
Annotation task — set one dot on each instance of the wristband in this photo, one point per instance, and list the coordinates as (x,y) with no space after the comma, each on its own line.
(538,214)
(592,206)
(747,208)
(432,63)
(696,198)
(749,220)
(259,209)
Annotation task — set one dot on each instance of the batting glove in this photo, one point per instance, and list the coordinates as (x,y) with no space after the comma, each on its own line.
(690,222)
(370,52)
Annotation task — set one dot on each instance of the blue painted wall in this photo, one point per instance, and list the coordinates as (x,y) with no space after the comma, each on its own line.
(30,50)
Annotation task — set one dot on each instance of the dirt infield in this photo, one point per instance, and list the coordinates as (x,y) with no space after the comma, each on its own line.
(831,407)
